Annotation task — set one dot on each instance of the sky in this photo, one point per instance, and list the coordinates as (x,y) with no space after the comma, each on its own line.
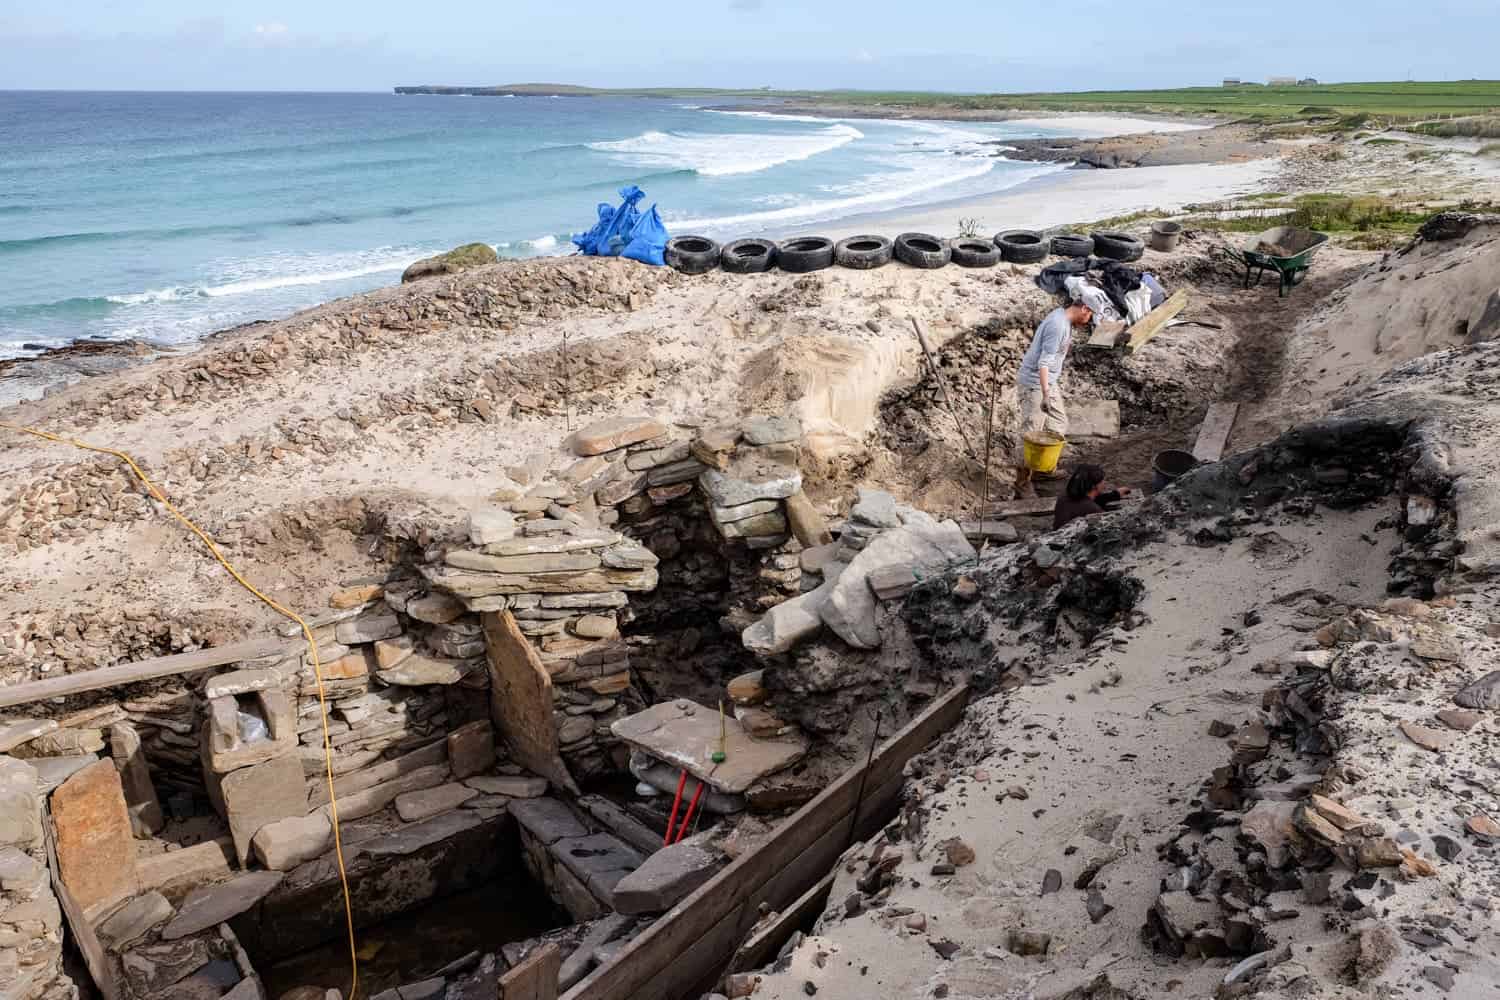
(952,45)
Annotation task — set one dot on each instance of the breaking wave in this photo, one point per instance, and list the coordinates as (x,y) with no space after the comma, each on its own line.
(724,154)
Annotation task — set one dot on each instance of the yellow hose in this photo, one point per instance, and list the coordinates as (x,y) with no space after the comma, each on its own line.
(312,647)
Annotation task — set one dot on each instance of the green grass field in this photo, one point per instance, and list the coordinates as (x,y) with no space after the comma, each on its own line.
(1353,103)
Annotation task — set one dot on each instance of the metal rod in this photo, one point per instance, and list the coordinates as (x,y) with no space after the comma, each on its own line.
(942,386)
(859,798)
(989,434)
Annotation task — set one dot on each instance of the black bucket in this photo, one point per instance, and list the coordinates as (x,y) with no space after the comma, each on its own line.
(1169,466)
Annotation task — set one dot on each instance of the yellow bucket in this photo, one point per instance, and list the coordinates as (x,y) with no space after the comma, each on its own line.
(1042,451)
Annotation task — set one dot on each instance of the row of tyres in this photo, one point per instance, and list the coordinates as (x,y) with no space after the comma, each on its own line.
(802,254)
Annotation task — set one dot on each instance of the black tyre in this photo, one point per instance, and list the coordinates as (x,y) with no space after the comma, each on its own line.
(805,253)
(975,253)
(1021,246)
(691,254)
(748,256)
(1118,246)
(863,253)
(922,250)
(1072,245)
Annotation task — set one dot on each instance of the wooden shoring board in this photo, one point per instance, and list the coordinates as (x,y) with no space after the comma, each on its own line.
(1214,433)
(535,978)
(1154,321)
(1107,335)
(143,670)
(1022,508)
(699,934)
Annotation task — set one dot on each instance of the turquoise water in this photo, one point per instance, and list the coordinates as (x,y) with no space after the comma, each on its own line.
(168,216)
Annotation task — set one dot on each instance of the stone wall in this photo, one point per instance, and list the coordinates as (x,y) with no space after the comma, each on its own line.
(31,932)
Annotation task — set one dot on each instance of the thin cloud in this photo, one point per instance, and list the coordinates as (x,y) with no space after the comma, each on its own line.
(271,29)
(746,4)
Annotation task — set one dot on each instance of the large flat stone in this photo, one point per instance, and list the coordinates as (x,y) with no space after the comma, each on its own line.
(371,800)
(749,480)
(241,682)
(808,524)
(436,609)
(790,622)
(215,904)
(53,771)
(928,548)
(728,515)
(135,920)
(599,860)
(367,628)
(471,749)
(1094,418)
(420,670)
(15,732)
(772,430)
(550,562)
(664,879)
(573,539)
(413,807)
(617,432)
(95,842)
(415,836)
(548,820)
(125,749)
(471,584)
(491,523)
(254,796)
(1481,694)
(511,786)
(685,735)
(287,843)
(767,525)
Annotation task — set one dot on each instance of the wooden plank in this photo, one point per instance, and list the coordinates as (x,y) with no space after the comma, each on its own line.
(521,700)
(535,978)
(761,946)
(687,979)
(1214,433)
(623,825)
(989,530)
(1107,335)
(1152,323)
(670,941)
(143,670)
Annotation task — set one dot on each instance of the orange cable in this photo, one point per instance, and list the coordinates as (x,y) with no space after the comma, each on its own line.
(280,609)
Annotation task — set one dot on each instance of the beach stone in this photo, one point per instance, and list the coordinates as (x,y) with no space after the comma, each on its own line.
(260,794)
(1483,827)
(596,627)
(146,817)
(353,597)
(389,652)
(1482,694)
(1460,719)
(287,843)
(772,430)
(420,670)
(667,877)
(471,748)
(629,557)
(428,802)
(152,970)
(749,688)
(135,920)
(510,786)
(18,731)
(851,607)
(808,524)
(436,609)
(95,841)
(617,432)
(367,628)
(205,907)
(491,523)
(1269,825)
(875,507)
(790,622)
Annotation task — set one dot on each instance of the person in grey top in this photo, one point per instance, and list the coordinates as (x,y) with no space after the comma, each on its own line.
(1039,384)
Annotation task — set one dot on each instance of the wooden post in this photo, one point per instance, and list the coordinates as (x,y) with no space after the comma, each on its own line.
(535,978)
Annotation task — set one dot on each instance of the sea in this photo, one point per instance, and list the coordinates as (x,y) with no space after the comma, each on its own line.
(167,216)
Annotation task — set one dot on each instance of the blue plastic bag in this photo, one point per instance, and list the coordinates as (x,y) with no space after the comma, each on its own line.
(648,239)
(611,233)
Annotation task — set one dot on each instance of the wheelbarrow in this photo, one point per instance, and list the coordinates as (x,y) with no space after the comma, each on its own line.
(1286,250)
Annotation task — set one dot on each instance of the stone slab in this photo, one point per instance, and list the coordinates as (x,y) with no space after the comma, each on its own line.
(749,480)
(808,523)
(421,670)
(772,430)
(511,786)
(546,562)
(685,735)
(241,682)
(15,732)
(1094,418)
(95,841)
(53,771)
(491,523)
(287,843)
(425,803)
(135,920)
(471,749)
(203,908)
(371,800)
(548,820)
(415,836)
(261,794)
(665,878)
(599,860)
(125,749)
(617,432)
(790,622)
